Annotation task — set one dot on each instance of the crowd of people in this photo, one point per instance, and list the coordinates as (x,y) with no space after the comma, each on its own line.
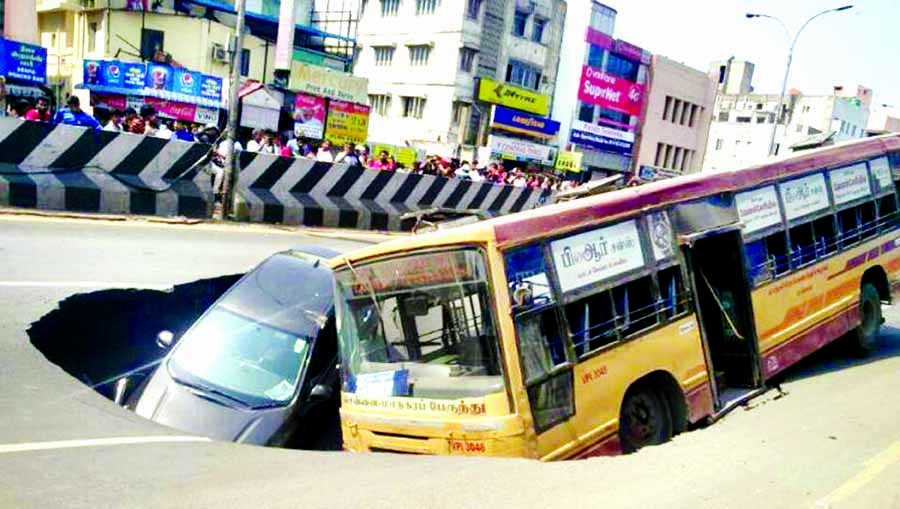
(147,122)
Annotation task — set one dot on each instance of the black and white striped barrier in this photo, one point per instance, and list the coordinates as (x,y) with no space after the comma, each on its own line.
(285,190)
(60,167)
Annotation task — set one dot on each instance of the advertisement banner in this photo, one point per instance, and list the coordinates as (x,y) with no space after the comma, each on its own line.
(516,121)
(346,122)
(804,195)
(159,77)
(134,75)
(172,109)
(21,61)
(327,83)
(309,116)
(593,256)
(601,138)
(881,171)
(758,209)
(521,150)
(187,82)
(211,88)
(849,183)
(611,92)
(518,98)
(630,51)
(569,161)
(598,38)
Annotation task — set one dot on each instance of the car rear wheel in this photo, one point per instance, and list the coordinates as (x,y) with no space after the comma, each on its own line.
(645,419)
(870,318)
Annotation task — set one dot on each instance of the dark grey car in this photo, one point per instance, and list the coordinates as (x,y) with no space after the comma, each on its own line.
(258,366)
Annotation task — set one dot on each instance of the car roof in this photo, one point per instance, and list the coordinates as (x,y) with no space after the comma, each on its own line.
(315,250)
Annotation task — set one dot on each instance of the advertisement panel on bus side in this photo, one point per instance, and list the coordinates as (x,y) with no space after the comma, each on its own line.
(596,255)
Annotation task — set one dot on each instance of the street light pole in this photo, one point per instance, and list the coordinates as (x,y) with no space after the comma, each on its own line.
(787,68)
(231,170)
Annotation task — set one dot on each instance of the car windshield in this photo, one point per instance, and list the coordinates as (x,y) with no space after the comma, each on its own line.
(251,346)
(418,326)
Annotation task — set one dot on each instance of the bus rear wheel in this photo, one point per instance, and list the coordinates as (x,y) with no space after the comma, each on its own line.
(645,419)
(870,318)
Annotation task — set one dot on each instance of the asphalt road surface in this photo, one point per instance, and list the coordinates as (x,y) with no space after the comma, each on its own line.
(832,440)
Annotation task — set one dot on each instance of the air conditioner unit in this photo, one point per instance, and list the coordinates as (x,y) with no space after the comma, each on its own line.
(219,53)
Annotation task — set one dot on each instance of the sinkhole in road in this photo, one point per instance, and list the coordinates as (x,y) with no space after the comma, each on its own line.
(98,337)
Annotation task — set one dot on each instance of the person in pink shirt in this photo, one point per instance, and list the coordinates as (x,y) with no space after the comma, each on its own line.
(41,112)
(383,162)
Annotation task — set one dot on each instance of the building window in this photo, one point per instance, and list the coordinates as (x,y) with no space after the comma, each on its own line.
(519,21)
(799,128)
(466,59)
(389,7)
(459,110)
(667,110)
(522,74)
(384,55)
(537,30)
(245,62)
(694,110)
(418,55)
(719,143)
(152,42)
(743,120)
(659,152)
(622,67)
(381,104)
(586,113)
(760,120)
(92,36)
(685,113)
(413,107)
(473,9)
(723,116)
(426,6)
(595,56)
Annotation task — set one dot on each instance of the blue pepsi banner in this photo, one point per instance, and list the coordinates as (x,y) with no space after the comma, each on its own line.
(21,61)
(153,80)
(517,121)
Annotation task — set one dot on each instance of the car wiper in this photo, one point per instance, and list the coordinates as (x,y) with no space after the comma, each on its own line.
(211,390)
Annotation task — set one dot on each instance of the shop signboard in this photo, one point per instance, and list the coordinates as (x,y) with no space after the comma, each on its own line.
(331,84)
(186,82)
(569,161)
(519,122)
(601,138)
(156,80)
(598,38)
(133,75)
(630,51)
(521,150)
(492,91)
(211,88)
(611,92)
(346,122)
(22,61)
(309,116)
(406,156)
(159,77)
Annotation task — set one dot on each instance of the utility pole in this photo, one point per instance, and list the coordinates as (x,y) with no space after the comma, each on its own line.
(230,180)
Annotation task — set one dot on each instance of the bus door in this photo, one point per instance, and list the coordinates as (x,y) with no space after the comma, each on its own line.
(724,309)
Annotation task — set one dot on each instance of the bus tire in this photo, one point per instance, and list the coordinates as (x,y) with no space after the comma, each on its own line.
(870,319)
(645,419)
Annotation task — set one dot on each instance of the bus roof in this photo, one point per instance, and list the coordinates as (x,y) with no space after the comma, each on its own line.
(572,215)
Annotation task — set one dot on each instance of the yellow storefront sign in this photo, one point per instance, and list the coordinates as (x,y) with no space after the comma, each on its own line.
(404,155)
(568,161)
(346,123)
(492,91)
(324,82)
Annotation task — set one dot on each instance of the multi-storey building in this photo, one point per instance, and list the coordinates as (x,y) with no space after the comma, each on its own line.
(600,97)
(742,121)
(679,110)
(439,70)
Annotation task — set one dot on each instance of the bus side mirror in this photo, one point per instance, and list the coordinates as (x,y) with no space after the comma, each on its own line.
(164,339)
(321,392)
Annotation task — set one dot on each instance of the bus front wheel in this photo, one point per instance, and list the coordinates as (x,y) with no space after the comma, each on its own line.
(869,318)
(645,419)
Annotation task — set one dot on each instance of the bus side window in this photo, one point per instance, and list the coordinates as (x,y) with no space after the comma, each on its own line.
(803,249)
(825,235)
(635,305)
(541,343)
(672,299)
(766,258)
(868,224)
(887,213)
(592,322)
(848,222)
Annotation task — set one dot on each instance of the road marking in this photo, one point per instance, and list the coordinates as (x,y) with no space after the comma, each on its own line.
(97,442)
(82,284)
(873,467)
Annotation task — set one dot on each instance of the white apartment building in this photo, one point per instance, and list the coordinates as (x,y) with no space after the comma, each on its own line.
(422,58)
(742,121)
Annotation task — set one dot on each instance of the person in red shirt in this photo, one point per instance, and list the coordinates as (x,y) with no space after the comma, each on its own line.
(41,112)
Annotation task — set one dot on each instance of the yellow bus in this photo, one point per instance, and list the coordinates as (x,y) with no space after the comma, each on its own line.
(609,323)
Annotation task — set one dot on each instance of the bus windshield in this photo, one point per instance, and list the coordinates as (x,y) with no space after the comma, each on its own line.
(418,326)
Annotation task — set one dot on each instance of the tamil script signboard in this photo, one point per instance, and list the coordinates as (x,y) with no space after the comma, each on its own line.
(849,183)
(758,208)
(594,256)
(805,195)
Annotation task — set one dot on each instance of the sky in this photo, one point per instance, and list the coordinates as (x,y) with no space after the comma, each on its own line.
(857,46)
